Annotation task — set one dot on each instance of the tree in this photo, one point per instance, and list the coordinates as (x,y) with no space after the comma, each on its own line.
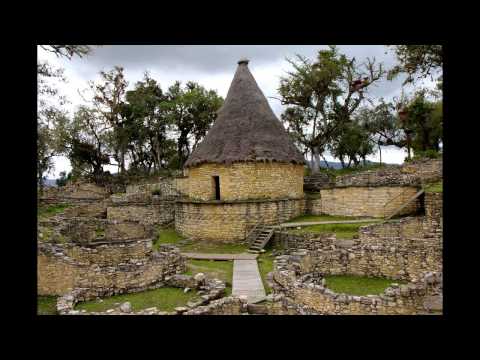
(192,111)
(109,103)
(417,61)
(323,95)
(149,123)
(48,113)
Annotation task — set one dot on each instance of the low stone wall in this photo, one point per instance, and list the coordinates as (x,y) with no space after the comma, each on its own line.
(61,269)
(167,187)
(230,221)
(160,213)
(289,242)
(88,230)
(81,192)
(210,288)
(366,201)
(309,295)
(409,174)
(230,305)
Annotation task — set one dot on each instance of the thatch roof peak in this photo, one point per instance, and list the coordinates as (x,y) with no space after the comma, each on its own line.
(246,129)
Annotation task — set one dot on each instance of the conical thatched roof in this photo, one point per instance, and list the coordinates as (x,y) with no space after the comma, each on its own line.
(246,128)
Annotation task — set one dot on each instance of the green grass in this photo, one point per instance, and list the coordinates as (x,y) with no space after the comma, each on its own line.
(167,236)
(308,218)
(358,285)
(343,231)
(222,270)
(213,248)
(45,211)
(435,188)
(165,299)
(170,236)
(265,265)
(46,305)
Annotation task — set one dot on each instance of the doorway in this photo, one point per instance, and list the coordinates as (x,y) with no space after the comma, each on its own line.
(216,184)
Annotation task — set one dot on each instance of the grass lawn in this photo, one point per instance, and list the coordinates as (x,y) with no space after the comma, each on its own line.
(358,285)
(165,299)
(46,305)
(46,211)
(307,218)
(436,187)
(351,170)
(222,270)
(343,231)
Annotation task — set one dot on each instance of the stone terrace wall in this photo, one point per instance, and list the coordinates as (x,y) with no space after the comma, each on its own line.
(160,213)
(74,192)
(366,201)
(58,273)
(317,181)
(168,187)
(230,221)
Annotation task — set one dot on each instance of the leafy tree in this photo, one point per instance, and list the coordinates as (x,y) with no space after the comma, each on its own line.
(149,123)
(417,61)
(191,111)
(323,95)
(109,103)
(48,113)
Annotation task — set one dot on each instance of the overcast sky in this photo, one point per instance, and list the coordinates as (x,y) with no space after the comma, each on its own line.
(212,66)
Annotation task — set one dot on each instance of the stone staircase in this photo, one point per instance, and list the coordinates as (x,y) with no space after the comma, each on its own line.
(404,205)
(259,237)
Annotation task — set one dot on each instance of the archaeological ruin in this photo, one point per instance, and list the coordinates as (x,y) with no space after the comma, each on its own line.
(244,187)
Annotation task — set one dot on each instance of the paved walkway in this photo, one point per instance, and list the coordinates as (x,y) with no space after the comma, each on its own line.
(308,223)
(204,256)
(247,280)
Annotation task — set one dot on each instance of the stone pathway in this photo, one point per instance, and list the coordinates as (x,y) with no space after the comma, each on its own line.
(247,280)
(308,223)
(204,256)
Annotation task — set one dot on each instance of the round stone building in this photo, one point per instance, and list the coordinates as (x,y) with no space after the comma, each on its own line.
(246,170)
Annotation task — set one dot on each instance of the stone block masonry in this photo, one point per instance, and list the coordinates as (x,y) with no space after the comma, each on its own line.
(159,213)
(242,181)
(108,270)
(366,201)
(230,221)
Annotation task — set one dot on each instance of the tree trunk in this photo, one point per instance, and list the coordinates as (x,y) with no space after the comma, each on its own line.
(380,151)
(316,160)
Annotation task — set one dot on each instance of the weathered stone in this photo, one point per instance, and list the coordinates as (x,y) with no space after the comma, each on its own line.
(126,307)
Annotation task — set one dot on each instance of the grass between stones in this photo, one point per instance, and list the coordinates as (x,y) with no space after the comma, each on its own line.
(342,231)
(222,270)
(165,299)
(308,218)
(435,188)
(265,265)
(46,211)
(46,305)
(358,285)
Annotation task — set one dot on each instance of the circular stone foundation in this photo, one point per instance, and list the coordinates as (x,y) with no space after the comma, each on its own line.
(230,221)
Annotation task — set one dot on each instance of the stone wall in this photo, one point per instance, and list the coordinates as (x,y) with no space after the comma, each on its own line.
(289,242)
(74,192)
(159,213)
(110,270)
(309,295)
(241,181)
(168,187)
(313,204)
(226,306)
(318,181)
(230,221)
(366,201)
